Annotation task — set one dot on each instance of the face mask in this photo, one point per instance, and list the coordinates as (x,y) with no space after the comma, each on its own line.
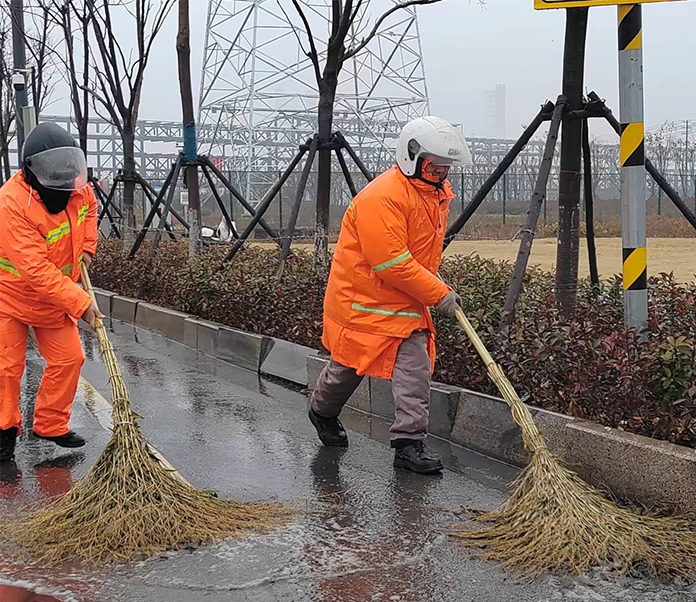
(427,177)
(55,201)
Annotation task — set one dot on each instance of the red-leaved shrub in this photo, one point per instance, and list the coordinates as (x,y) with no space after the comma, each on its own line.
(590,367)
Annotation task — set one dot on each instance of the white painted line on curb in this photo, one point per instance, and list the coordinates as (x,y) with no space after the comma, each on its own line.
(101,408)
(96,403)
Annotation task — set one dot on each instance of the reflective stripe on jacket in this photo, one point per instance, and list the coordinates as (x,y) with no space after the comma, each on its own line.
(40,254)
(383,276)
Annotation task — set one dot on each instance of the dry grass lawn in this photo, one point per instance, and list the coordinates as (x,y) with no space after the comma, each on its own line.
(676,255)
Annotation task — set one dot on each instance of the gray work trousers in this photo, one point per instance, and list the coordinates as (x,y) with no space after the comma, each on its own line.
(410,386)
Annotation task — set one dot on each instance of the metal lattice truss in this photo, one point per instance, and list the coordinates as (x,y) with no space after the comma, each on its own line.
(157,144)
(259,91)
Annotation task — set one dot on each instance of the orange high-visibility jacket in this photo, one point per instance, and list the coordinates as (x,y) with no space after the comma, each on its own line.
(40,254)
(383,276)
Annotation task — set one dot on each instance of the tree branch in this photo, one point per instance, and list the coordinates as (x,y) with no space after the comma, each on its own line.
(335,18)
(353,51)
(312,54)
(344,26)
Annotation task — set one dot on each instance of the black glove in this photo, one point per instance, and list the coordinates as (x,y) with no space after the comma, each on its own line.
(449,304)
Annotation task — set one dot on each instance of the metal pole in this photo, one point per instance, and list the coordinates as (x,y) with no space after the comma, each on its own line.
(155,207)
(19,63)
(635,272)
(504,198)
(226,216)
(659,179)
(589,205)
(237,195)
(501,168)
(262,207)
(292,221)
(280,208)
(529,230)
(346,172)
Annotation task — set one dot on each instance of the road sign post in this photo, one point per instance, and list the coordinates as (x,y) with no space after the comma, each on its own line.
(635,269)
(635,260)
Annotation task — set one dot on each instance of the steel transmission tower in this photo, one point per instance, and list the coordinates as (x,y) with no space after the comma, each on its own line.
(259,93)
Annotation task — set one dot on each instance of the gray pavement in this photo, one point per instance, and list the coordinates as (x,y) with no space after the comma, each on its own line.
(372,533)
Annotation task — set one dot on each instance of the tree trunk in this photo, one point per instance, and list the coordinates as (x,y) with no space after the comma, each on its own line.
(5,158)
(128,226)
(327,96)
(183,51)
(82,133)
(570,176)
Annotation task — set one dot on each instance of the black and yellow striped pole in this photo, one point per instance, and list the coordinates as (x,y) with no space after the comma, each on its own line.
(635,272)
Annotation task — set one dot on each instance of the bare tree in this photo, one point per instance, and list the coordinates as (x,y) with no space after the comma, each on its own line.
(72,19)
(40,43)
(7,106)
(117,79)
(61,54)
(341,46)
(183,50)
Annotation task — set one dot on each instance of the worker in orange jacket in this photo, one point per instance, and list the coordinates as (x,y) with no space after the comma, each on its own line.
(48,227)
(383,281)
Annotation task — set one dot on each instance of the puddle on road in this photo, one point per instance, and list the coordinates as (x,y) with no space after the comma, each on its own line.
(11,593)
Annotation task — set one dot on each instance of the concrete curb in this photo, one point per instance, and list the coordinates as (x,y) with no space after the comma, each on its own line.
(123,308)
(654,473)
(240,348)
(167,322)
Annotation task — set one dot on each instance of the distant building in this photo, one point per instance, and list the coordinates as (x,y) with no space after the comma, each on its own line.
(494,111)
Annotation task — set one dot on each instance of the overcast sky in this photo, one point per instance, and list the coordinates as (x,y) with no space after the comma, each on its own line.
(468,49)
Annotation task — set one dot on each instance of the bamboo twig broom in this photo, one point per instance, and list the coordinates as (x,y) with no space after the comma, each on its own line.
(132,503)
(555,522)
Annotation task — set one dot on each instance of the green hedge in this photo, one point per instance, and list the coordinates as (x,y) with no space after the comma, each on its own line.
(590,367)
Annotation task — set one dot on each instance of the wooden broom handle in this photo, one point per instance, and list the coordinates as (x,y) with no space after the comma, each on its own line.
(474,337)
(86,282)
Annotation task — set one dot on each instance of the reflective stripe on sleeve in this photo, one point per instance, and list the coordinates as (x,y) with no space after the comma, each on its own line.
(6,266)
(385,312)
(392,262)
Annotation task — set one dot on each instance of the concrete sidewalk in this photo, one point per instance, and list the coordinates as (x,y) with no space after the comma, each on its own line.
(374,533)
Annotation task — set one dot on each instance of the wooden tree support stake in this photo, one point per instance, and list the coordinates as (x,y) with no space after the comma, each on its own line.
(532,217)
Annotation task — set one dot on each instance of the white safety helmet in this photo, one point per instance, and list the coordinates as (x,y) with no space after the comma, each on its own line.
(434,137)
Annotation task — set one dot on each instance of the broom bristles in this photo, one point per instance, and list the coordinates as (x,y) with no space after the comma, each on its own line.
(129,504)
(554,522)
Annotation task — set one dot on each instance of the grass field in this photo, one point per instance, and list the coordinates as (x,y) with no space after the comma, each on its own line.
(676,255)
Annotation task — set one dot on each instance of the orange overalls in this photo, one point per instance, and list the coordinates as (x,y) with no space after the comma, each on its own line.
(376,310)
(40,256)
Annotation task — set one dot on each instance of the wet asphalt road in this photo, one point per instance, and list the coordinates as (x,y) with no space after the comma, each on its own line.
(373,533)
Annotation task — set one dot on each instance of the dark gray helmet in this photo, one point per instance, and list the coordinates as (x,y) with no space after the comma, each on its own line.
(54,158)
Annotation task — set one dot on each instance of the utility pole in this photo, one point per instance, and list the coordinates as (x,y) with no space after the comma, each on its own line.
(635,262)
(183,50)
(19,76)
(689,169)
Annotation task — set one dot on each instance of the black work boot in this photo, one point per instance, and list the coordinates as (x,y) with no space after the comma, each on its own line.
(70,439)
(330,430)
(8,440)
(412,454)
